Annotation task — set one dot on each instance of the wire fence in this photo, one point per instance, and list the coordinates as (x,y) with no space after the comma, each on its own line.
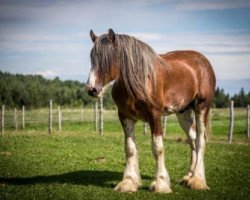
(60,118)
(99,120)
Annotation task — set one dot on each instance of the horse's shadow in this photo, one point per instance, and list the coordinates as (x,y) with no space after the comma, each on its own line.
(83,177)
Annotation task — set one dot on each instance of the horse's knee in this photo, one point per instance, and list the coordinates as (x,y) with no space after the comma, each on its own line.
(130,147)
(192,133)
(157,145)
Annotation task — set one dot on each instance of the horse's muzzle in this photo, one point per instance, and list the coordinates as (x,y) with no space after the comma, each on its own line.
(92,92)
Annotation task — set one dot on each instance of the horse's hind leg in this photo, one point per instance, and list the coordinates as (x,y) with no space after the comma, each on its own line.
(187,123)
(198,180)
(131,176)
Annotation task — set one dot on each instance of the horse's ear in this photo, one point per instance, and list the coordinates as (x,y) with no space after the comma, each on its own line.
(93,36)
(111,35)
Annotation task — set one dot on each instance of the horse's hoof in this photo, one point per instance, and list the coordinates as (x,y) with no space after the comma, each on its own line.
(197,183)
(127,185)
(185,180)
(160,185)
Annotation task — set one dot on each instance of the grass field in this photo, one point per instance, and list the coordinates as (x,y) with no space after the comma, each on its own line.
(87,166)
(77,163)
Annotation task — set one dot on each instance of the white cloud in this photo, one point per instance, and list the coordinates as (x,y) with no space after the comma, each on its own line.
(52,37)
(34,42)
(146,36)
(231,66)
(47,74)
(229,54)
(207,43)
(212,4)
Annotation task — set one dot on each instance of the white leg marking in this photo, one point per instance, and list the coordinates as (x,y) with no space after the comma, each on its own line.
(200,143)
(132,169)
(198,180)
(131,177)
(162,181)
(187,123)
(191,138)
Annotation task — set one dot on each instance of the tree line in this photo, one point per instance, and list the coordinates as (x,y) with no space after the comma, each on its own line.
(221,99)
(34,91)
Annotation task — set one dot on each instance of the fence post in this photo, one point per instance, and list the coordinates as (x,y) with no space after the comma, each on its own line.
(101,116)
(248,121)
(59,119)
(50,116)
(96,116)
(15,119)
(144,128)
(82,113)
(23,116)
(231,127)
(164,125)
(2,120)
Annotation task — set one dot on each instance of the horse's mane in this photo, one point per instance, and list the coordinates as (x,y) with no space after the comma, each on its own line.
(135,58)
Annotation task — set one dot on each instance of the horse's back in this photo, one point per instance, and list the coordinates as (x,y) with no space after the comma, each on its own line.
(197,67)
(192,59)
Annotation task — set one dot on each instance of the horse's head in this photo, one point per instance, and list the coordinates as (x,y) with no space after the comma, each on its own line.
(104,67)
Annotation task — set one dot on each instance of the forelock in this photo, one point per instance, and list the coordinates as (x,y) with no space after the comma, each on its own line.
(102,54)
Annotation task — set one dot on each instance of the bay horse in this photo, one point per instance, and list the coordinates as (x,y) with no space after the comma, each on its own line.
(147,86)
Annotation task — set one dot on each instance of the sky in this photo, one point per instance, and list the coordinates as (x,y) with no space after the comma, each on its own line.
(51,37)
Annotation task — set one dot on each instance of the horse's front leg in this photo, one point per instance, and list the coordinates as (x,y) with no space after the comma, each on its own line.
(162,181)
(131,177)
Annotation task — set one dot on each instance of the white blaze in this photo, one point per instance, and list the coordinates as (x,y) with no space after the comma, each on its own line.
(92,79)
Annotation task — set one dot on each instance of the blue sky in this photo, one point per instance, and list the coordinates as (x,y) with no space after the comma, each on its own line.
(51,37)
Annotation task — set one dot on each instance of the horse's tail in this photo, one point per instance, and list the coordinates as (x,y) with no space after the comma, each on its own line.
(208,131)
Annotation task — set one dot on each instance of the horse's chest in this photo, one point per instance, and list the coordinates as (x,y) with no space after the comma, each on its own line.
(137,111)
(127,105)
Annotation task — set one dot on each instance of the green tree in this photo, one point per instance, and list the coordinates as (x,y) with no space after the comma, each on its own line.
(221,100)
(241,99)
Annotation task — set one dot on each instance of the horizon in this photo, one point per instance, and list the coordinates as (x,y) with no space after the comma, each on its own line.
(233,91)
(51,37)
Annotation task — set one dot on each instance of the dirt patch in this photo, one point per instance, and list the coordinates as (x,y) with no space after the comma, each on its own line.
(100,160)
(6,153)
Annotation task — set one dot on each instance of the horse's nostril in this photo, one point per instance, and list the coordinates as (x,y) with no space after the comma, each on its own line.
(92,92)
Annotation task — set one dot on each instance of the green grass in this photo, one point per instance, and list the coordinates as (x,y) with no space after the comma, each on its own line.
(81,164)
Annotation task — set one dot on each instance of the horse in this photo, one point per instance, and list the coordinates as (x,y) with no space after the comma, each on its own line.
(147,86)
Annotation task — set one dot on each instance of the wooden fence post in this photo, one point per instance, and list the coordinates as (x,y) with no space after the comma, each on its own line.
(101,116)
(231,127)
(2,120)
(15,119)
(164,125)
(82,113)
(144,128)
(96,116)
(50,116)
(23,116)
(59,119)
(248,121)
